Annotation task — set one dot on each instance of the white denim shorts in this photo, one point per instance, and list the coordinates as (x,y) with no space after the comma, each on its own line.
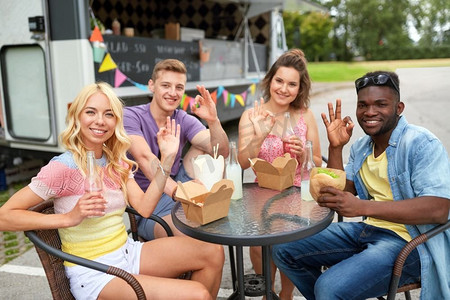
(87,283)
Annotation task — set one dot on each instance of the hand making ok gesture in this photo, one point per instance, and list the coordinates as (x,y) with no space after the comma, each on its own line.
(339,130)
(204,106)
(262,120)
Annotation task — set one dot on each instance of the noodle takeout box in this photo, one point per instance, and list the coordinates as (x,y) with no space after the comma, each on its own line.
(202,205)
(278,175)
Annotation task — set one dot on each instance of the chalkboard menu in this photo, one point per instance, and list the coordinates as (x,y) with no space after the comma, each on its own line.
(135,57)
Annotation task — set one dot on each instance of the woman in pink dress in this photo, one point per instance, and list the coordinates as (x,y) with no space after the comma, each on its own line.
(285,88)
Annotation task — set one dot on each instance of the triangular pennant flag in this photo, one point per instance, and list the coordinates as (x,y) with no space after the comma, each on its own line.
(225,96)
(219,91)
(98,52)
(244,96)
(232,100)
(248,100)
(240,100)
(141,86)
(96,35)
(182,100)
(252,89)
(107,64)
(188,102)
(191,102)
(214,96)
(119,78)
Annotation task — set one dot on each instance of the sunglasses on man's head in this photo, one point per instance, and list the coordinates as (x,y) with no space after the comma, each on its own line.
(380,79)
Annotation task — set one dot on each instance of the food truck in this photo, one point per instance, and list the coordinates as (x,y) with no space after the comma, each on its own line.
(50,49)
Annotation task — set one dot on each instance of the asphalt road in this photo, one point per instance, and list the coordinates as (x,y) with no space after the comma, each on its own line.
(425,92)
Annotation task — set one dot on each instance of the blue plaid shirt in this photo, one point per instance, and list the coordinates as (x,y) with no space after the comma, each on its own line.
(418,165)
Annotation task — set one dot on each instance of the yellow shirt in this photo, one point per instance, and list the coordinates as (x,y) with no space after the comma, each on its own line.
(375,177)
(61,180)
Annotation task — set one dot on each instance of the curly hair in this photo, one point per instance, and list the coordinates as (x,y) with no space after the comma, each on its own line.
(394,85)
(294,58)
(115,148)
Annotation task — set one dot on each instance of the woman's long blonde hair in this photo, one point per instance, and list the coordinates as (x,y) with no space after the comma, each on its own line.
(115,148)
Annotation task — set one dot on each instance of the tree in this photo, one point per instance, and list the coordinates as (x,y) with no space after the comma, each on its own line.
(292,22)
(432,21)
(378,23)
(380,28)
(341,39)
(310,32)
(315,30)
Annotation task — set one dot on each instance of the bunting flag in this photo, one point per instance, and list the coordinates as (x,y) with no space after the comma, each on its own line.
(96,35)
(225,97)
(186,102)
(232,99)
(220,91)
(119,78)
(214,96)
(252,88)
(98,53)
(244,95)
(240,99)
(191,102)
(182,101)
(141,86)
(107,64)
(102,56)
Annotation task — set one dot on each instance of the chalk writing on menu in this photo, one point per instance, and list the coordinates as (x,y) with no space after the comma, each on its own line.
(135,57)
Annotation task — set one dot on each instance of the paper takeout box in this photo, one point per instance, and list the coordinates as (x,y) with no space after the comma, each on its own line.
(277,175)
(208,170)
(203,205)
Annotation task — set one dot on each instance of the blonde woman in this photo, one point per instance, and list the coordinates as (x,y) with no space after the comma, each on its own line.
(95,123)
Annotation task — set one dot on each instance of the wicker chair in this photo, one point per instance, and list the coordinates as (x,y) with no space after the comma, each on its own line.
(400,261)
(48,247)
(401,258)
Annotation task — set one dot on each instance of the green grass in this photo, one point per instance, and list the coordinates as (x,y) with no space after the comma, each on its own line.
(4,196)
(10,239)
(345,71)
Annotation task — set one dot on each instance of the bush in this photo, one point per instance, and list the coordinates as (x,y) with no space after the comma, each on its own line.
(417,52)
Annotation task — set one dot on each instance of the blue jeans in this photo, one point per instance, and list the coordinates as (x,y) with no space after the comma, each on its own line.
(360,258)
(146,227)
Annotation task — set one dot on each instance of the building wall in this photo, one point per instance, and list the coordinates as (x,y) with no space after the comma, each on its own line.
(217,19)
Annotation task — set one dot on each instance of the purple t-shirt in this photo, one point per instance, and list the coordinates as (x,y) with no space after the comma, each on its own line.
(139,121)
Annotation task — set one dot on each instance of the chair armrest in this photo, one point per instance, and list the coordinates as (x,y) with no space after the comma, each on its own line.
(130,279)
(159,220)
(410,246)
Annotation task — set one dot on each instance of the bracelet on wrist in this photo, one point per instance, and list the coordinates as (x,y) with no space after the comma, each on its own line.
(166,173)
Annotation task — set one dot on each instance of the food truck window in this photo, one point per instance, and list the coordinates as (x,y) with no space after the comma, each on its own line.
(25,94)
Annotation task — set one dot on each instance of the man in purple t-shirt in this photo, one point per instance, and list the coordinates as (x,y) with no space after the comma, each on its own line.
(142,122)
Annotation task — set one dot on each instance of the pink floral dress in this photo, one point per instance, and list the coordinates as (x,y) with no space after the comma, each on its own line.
(272,146)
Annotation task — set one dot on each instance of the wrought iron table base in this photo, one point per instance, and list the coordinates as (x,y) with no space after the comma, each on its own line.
(251,285)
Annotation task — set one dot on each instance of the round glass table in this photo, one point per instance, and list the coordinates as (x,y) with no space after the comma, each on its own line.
(262,217)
